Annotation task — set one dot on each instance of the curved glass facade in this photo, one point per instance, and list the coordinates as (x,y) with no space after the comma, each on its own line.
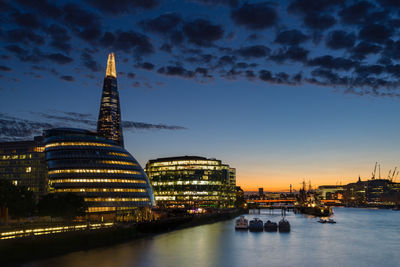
(190,182)
(104,173)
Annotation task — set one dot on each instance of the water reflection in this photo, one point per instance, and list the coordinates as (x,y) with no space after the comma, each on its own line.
(361,237)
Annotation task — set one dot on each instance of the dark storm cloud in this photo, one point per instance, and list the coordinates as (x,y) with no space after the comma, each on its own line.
(392,50)
(375,33)
(67,78)
(145,65)
(162,24)
(131,75)
(253,51)
(290,37)
(226,60)
(132,126)
(340,39)
(319,22)
(366,70)
(202,32)
(200,59)
(89,62)
(127,41)
(293,53)
(255,16)
(330,62)
(117,7)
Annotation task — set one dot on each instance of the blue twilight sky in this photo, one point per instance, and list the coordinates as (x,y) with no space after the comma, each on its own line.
(281,90)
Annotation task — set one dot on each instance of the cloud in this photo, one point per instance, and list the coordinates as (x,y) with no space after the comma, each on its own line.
(375,33)
(162,24)
(356,13)
(59,58)
(290,37)
(340,39)
(27,20)
(128,42)
(145,65)
(176,71)
(202,32)
(14,128)
(118,7)
(5,68)
(255,16)
(319,22)
(59,37)
(362,49)
(24,36)
(67,78)
(89,62)
(253,51)
(230,3)
(329,62)
(293,53)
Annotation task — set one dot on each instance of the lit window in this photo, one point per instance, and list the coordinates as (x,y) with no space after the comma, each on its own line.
(28,169)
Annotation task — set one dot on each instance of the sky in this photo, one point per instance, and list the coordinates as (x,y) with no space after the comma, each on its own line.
(283,91)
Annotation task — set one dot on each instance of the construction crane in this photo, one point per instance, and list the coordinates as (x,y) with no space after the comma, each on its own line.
(390,171)
(374,172)
(393,174)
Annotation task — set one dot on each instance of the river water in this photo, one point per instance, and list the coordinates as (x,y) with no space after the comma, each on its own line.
(361,237)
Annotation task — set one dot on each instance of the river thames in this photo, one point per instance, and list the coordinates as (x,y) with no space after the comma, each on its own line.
(361,237)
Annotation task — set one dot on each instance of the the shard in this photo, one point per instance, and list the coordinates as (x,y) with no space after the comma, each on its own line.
(109,123)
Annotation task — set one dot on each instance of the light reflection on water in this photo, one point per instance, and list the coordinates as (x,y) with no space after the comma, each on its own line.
(361,237)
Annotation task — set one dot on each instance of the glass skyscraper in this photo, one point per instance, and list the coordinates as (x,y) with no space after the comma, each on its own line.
(109,123)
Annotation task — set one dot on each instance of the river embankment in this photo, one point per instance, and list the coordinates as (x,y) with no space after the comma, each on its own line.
(21,250)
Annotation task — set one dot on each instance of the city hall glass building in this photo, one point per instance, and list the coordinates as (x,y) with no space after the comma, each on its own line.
(192,182)
(98,169)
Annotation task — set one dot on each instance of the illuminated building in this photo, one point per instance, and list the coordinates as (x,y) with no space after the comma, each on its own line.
(98,169)
(23,163)
(109,123)
(191,182)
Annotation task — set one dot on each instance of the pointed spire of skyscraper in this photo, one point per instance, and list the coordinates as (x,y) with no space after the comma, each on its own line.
(111,71)
(109,123)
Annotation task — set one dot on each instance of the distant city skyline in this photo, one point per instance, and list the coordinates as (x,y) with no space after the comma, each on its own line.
(285,98)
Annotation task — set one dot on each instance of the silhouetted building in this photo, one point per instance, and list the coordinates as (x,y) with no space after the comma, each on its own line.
(23,163)
(109,123)
(98,169)
(191,182)
(261,192)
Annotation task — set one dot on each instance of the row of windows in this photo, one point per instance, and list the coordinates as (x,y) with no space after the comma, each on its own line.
(24,156)
(101,190)
(185,162)
(118,154)
(93,171)
(117,162)
(78,144)
(128,181)
(215,193)
(187,183)
(119,199)
(158,198)
(188,167)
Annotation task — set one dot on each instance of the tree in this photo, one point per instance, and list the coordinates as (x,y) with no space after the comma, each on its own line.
(62,205)
(19,201)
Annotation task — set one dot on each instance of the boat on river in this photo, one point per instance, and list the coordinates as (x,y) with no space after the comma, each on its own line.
(326,221)
(256,225)
(284,226)
(270,226)
(241,223)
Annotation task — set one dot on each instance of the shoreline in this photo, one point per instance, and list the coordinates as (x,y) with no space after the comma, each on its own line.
(25,250)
